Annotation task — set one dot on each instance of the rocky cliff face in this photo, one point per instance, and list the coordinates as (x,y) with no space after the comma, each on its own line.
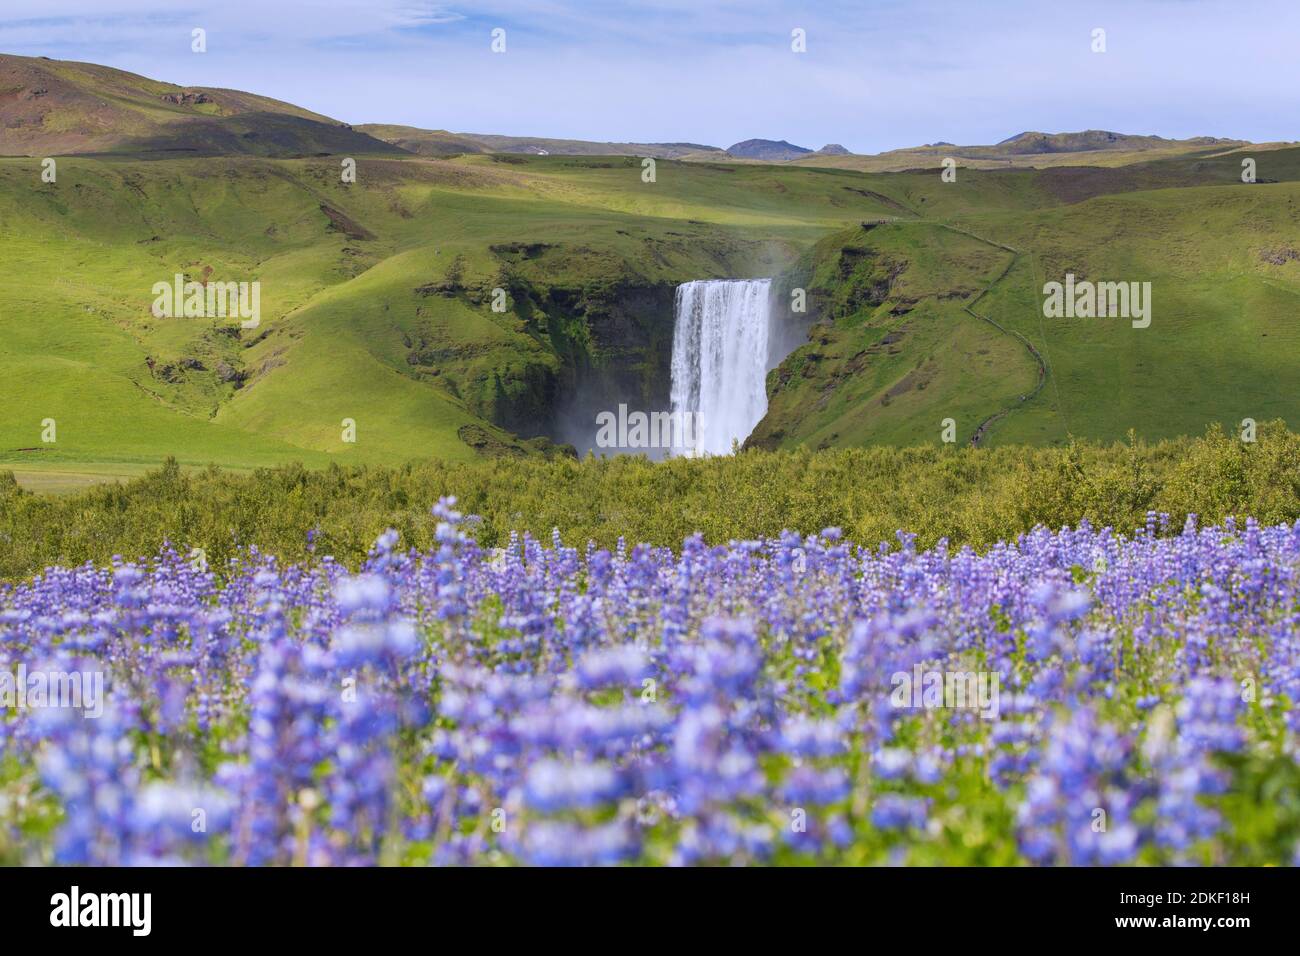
(614,345)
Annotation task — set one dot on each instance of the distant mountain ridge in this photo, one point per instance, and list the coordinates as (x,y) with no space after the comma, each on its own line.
(1032,149)
(1090,139)
(439,142)
(54,107)
(772,150)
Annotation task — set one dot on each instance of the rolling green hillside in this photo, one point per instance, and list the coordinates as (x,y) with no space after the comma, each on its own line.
(376,297)
(941,316)
(377,319)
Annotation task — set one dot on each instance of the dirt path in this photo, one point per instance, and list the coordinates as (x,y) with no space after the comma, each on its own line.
(982,429)
(987,423)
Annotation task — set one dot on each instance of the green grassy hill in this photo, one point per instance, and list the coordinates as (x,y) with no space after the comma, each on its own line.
(57,107)
(925,296)
(376,297)
(941,315)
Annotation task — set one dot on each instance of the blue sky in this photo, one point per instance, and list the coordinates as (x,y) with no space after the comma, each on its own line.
(877,74)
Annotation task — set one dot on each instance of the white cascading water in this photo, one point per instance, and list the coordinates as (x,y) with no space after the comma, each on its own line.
(720,356)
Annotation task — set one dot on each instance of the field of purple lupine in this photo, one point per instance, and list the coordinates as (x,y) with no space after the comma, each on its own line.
(1077,697)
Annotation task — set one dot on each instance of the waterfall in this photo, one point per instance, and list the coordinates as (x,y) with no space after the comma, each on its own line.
(720,356)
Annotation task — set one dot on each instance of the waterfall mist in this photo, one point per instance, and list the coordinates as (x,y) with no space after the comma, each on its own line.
(720,360)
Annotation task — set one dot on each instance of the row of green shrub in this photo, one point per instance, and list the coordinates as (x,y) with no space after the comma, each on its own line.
(968,496)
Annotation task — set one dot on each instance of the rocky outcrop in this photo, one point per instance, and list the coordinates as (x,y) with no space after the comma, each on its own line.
(186,98)
(228,373)
(1279,257)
